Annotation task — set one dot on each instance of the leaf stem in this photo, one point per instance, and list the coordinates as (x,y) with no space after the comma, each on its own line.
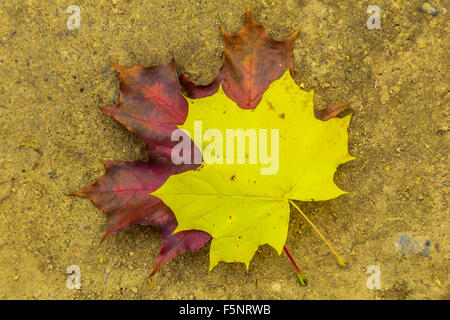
(340,260)
(301,278)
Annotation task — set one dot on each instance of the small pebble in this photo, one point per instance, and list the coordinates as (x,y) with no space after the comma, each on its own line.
(428,8)
(276,287)
(134,290)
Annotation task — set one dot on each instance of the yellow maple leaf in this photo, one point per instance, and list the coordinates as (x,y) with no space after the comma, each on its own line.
(242,200)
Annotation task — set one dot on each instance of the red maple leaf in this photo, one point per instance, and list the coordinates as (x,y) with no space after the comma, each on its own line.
(152,106)
(252,60)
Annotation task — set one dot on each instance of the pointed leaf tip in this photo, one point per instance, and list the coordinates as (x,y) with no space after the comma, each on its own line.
(330,112)
(117,67)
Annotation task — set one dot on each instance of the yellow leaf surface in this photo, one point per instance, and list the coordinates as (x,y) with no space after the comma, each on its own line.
(238,205)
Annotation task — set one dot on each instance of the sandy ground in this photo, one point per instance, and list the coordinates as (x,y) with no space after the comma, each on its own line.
(53,81)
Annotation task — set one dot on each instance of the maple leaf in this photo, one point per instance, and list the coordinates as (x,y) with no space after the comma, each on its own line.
(237,205)
(151,105)
(252,60)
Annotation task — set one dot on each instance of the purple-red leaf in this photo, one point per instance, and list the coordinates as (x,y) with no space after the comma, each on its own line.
(124,193)
(151,105)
